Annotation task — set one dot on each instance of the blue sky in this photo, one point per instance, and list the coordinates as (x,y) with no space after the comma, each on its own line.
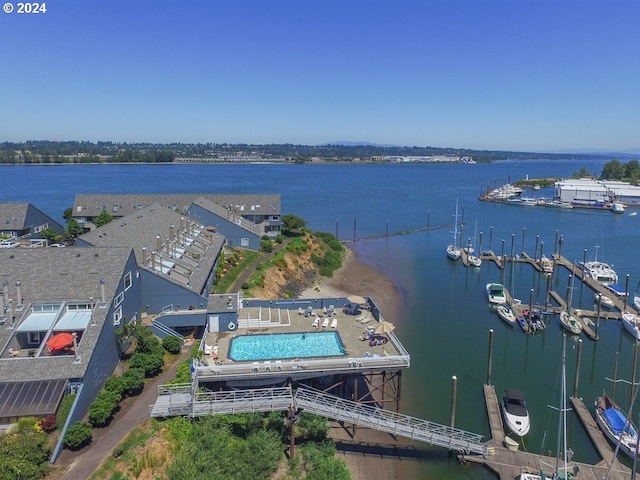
(505,75)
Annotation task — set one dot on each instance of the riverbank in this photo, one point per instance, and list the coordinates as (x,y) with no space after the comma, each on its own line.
(370,455)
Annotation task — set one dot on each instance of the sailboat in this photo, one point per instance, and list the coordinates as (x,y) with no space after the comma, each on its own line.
(636,298)
(453,250)
(561,472)
(473,259)
(616,425)
(567,320)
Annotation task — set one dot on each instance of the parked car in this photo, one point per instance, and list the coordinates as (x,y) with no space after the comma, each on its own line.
(58,245)
(9,244)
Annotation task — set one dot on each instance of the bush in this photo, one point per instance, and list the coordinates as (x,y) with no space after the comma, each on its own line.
(103,407)
(133,380)
(78,435)
(266,246)
(24,452)
(48,424)
(245,286)
(116,385)
(149,363)
(146,342)
(172,344)
(65,408)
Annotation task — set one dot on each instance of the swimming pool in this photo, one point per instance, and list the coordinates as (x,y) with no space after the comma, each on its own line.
(285,345)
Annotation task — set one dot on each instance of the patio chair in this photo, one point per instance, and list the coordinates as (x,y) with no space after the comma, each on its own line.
(278,365)
(325,323)
(255,367)
(316,323)
(334,323)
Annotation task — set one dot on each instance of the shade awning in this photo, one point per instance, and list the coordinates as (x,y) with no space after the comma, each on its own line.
(74,320)
(37,322)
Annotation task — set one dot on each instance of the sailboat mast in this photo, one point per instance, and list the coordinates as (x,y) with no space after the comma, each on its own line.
(562,419)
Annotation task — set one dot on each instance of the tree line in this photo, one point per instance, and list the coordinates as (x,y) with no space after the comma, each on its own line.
(50,152)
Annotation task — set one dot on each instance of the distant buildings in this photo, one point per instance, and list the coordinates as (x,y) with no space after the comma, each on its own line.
(427,159)
(592,192)
(242,218)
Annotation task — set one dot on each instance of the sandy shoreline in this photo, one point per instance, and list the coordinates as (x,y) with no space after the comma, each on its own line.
(355,277)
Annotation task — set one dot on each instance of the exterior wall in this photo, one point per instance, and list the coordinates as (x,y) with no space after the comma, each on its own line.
(35,218)
(159,293)
(233,233)
(106,353)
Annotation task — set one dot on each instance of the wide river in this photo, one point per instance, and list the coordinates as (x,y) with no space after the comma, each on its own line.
(445,320)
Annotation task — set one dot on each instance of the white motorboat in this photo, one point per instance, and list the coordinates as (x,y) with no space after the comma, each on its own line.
(496,294)
(506,313)
(614,424)
(601,272)
(604,302)
(515,413)
(631,323)
(546,264)
(453,250)
(617,207)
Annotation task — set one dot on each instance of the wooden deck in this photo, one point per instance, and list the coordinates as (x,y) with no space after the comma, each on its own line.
(508,463)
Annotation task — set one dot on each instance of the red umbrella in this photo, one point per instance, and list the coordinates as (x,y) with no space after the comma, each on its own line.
(59,341)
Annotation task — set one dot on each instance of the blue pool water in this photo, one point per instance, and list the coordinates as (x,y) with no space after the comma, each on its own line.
(285,345)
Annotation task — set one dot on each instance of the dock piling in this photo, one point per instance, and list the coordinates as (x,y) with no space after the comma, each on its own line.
(454,398)
(535,251)
(578,358)
(524,231)
(490,356)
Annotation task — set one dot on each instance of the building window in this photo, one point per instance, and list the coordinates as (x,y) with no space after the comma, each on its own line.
(127,281)
(244,242)
(118,300)
(115,208)
(274,218)
(33,338)
(117,317)
(39,228)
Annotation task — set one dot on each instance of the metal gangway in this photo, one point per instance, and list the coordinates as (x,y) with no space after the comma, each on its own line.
(387,421)
(177,400)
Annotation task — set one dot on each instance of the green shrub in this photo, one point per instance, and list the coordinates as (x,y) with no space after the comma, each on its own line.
(116,385)
(103,407)
(245,285)
(266,246)
(149,363)
(65,408)
(172,344)
(133,380)
(24,452)
(78,435)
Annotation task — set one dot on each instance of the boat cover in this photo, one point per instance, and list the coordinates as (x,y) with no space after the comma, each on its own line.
(617,289)
(617,421)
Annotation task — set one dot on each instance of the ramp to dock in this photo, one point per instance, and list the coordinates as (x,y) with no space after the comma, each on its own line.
(390,422)
(177,400)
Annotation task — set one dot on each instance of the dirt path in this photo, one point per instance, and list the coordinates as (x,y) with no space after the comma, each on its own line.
(133,412)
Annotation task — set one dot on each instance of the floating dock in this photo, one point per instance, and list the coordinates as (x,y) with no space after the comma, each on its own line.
(508,463)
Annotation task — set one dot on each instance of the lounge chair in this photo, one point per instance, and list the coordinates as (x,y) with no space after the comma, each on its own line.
(325,322)
(316,323)
(300,311)
(334,323)
(208,349)
(267,366)
(278,365)
(255,366)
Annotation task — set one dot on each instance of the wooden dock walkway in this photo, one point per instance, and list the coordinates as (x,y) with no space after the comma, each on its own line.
(509,463)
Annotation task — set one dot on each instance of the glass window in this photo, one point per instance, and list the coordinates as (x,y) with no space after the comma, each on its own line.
(117,317)
(118,300)
(244,242)
(127,281)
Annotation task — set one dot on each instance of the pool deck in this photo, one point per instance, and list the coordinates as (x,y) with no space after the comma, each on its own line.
(359,356)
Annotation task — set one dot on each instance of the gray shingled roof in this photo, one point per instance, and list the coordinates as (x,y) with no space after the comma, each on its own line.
(141,230)
(13,215)
(92,204)
(56,275)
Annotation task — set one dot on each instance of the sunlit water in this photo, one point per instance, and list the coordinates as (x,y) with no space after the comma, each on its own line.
(445,320)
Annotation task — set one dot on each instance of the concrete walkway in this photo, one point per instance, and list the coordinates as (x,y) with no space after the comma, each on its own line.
(83,463)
